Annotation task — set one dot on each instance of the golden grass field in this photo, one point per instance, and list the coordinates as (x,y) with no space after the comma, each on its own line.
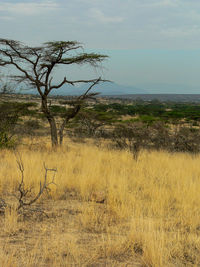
(150,215)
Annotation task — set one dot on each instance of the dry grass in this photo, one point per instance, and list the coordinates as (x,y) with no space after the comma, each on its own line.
(148,212)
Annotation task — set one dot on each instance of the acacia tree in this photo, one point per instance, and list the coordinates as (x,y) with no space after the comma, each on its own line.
(35,65)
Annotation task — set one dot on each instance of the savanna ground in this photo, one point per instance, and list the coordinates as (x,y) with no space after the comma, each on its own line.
(106,208)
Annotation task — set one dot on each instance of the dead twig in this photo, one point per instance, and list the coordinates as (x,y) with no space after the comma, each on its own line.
(23,192)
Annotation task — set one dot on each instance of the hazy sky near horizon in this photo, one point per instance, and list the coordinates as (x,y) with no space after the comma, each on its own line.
(148,41)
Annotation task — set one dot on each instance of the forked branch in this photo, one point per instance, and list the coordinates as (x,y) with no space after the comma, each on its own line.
(44,186)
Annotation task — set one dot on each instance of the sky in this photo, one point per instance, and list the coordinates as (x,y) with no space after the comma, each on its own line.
(151,43)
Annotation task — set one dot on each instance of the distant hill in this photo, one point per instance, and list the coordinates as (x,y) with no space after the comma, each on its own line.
(104,88)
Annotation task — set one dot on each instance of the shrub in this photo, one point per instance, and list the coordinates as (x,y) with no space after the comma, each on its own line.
(186,140)
(132,136)
(160,136)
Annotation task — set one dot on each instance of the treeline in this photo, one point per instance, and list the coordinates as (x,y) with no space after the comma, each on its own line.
(154,110)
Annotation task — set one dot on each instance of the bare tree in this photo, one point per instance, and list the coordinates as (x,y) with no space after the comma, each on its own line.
(35,65)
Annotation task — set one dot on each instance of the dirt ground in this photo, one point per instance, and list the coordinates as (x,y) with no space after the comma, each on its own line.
(59,237)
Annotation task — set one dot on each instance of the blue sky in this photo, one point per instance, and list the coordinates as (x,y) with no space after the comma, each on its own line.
(149,41)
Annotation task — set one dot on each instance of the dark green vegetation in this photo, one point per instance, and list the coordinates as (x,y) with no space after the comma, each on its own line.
(11,113)
(154,111)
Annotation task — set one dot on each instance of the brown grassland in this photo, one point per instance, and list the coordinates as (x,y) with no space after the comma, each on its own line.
(106,209)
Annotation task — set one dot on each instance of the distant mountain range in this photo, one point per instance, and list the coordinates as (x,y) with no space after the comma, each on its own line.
(116,89)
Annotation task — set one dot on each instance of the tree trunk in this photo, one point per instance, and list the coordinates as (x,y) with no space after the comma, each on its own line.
(51,120)
(61,130)
(54,135)
(69,116)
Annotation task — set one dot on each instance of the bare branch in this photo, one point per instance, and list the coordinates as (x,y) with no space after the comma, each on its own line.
(13,46)
(58,86)
(23,192)
(91,86)
(77,81)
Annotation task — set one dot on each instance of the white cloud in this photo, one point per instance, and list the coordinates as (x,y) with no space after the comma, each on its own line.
(99,16)
(30,8)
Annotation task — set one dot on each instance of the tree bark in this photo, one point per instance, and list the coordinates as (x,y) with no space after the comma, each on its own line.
(53,130)
(61,134)
(51,120)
